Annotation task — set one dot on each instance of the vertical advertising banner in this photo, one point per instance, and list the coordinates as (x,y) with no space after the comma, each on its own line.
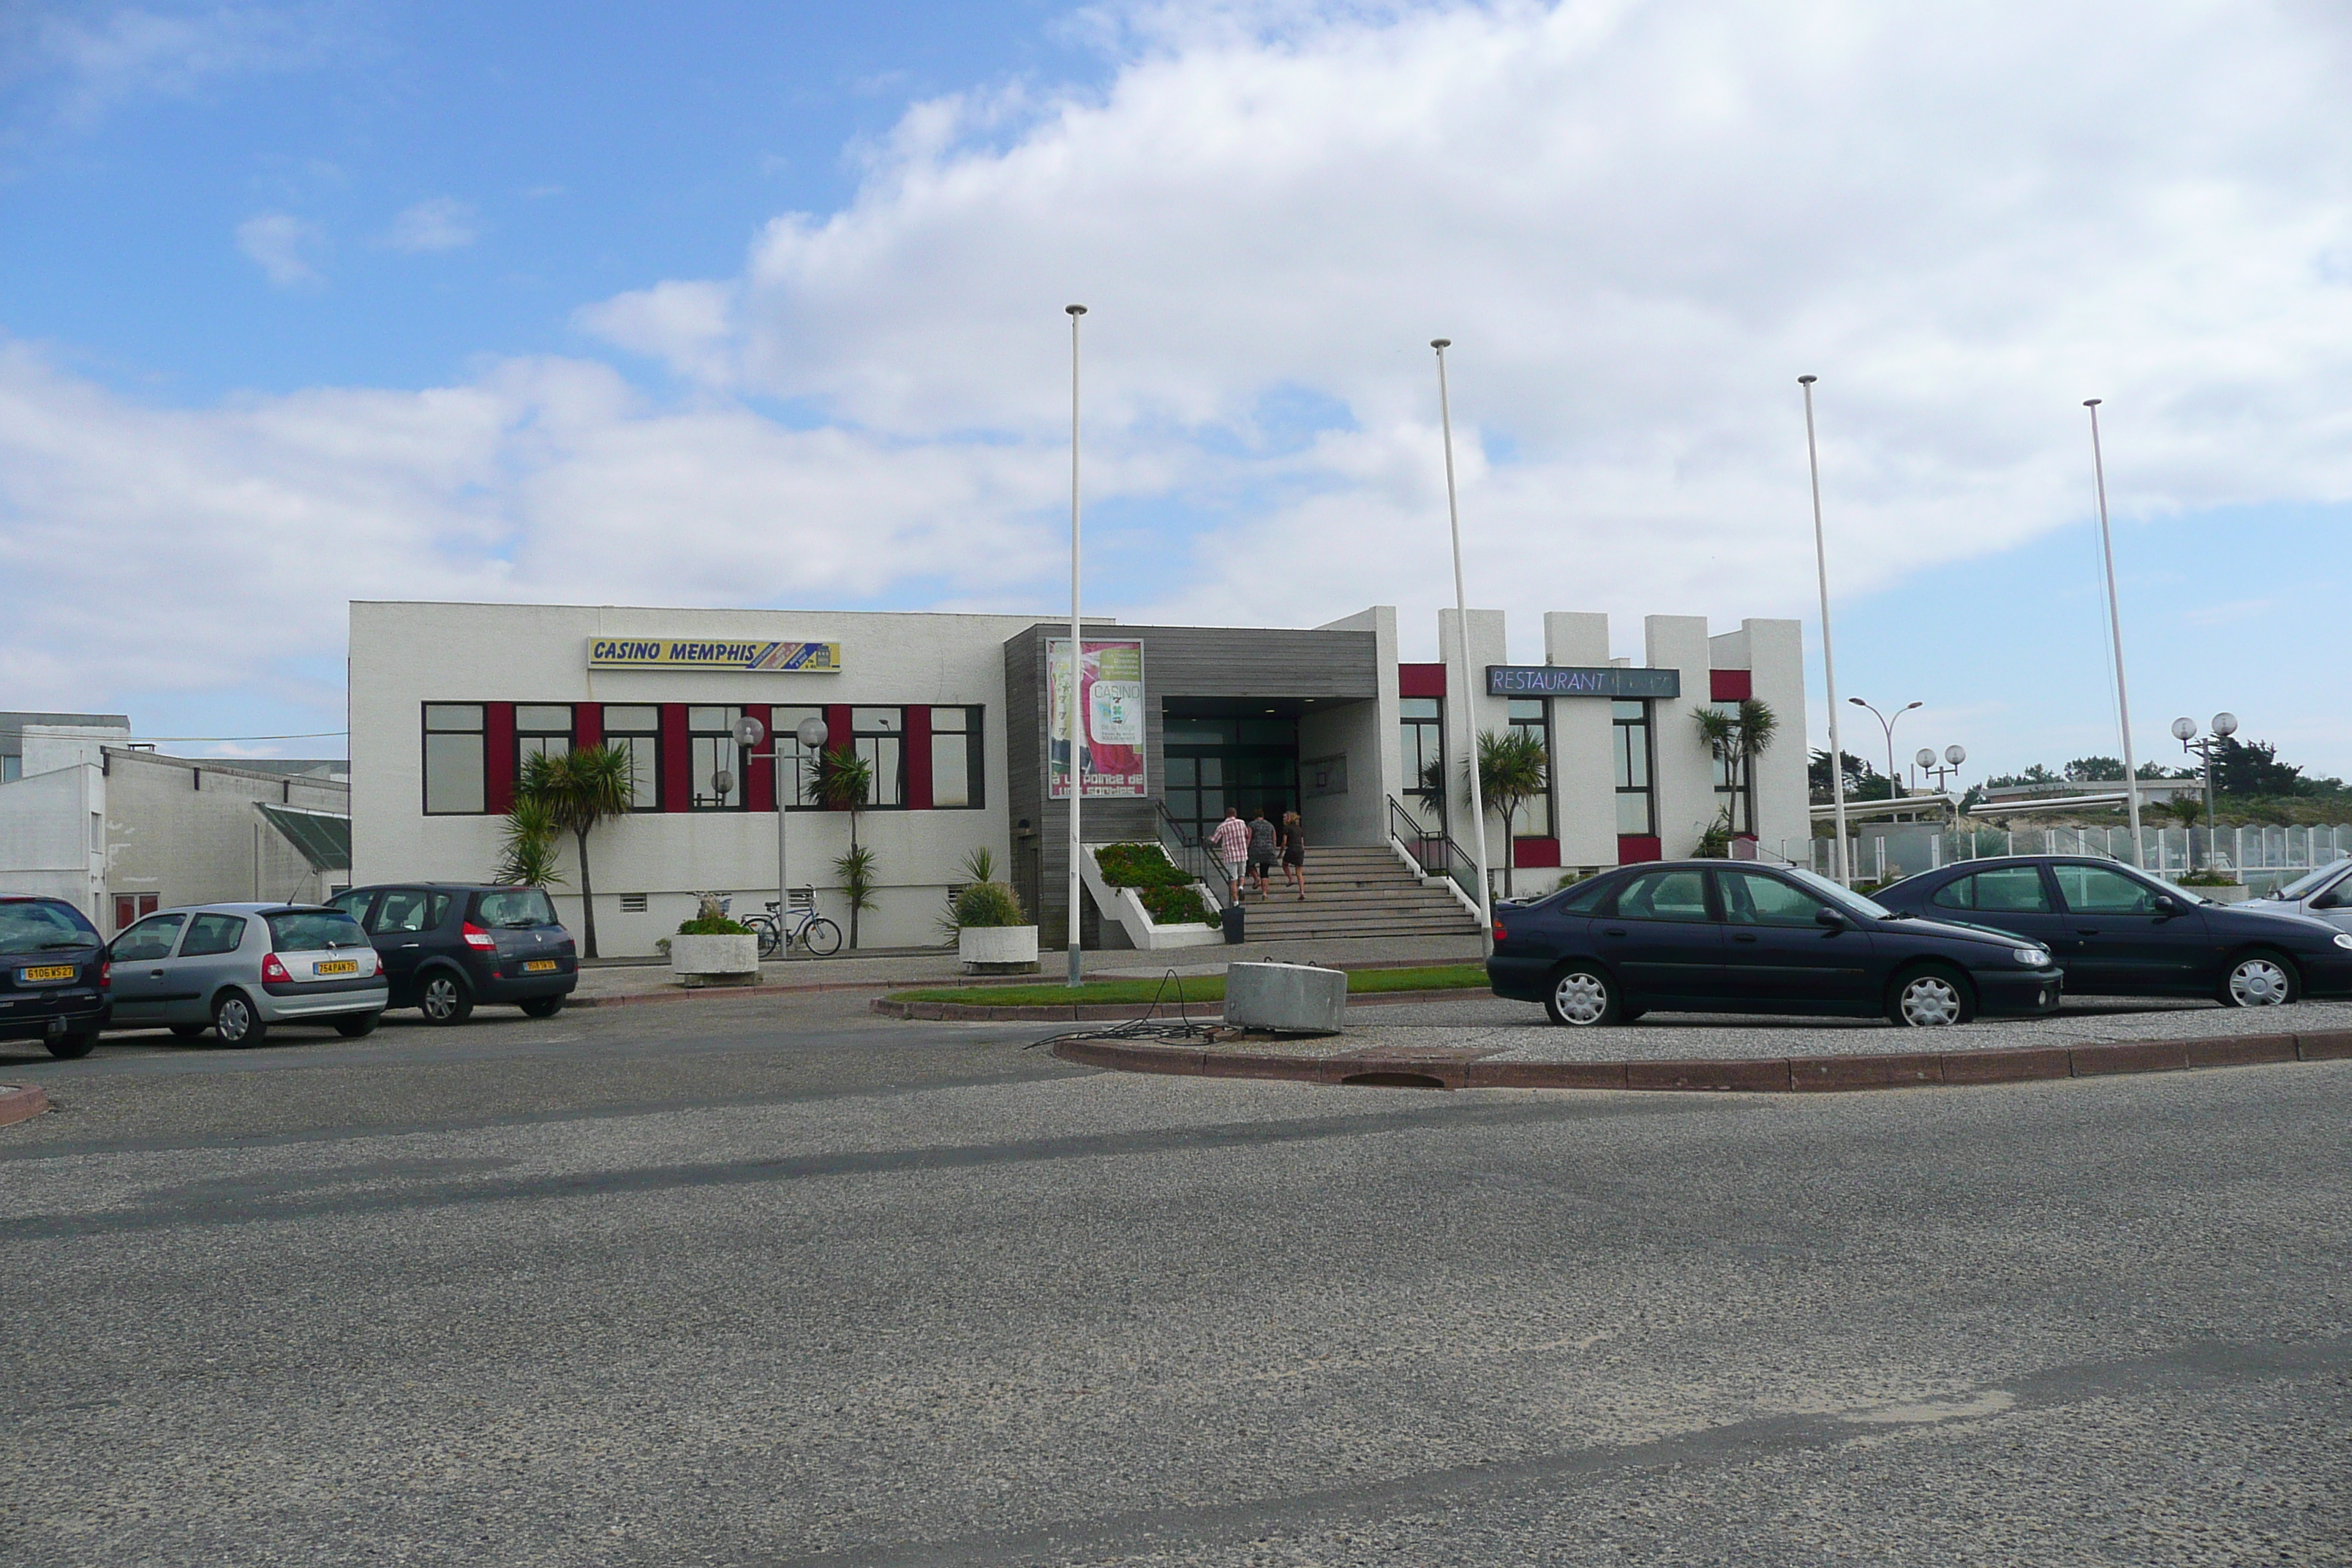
(1110,696)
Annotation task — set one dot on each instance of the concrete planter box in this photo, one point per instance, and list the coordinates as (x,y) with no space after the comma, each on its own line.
(997,949)
(714,960)
(1299,997)
(2236,893)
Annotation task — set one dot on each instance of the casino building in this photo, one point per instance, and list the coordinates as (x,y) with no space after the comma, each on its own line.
(957,715)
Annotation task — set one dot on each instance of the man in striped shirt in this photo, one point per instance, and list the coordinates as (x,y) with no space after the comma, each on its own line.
(1230,841)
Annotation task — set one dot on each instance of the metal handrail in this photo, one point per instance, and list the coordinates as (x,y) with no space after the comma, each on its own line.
(1435,853)
(1191,855)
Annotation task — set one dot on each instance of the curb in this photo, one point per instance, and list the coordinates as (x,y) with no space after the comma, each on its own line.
(1121,1012)
(1765,1075)
(686,993)
(21,1102)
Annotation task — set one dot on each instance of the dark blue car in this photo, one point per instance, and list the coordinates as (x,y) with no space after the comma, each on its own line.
(1714,936)
(2122,932)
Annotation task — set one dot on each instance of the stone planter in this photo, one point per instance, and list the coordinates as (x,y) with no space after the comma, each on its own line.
(2236,893)
(997,949)
(714,960)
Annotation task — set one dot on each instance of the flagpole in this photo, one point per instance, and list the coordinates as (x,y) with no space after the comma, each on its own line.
(1077,668)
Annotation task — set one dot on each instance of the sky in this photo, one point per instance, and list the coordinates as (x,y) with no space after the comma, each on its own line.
(730,303)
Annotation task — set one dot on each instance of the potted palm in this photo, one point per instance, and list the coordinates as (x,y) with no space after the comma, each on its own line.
(992,935)
(713,949)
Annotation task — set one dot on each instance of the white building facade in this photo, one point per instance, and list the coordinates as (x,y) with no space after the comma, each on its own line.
(952,714)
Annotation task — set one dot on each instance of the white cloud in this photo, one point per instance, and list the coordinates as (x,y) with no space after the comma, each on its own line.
(437,224)
(690,326)
(284,246)
(92,63)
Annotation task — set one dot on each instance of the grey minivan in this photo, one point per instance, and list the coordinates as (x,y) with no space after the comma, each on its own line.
(241,968)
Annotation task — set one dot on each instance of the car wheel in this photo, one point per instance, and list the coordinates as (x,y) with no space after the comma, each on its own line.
(446,998)
(543,1006)
(1930,999)
(1582,996)
(2260,980)
(238,1021)
(187,1031)
(357,1026)
(66,1048)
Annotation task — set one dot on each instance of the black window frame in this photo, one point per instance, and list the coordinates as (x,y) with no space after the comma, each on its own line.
(1621,753)
(975,755)
(723,742)
(570,733)
(859,734)
(632,734)
(1539,726)
(481,734)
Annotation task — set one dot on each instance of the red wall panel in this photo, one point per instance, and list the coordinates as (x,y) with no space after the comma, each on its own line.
(759,766)
(1730,685)
(918,759)
(677,759)
(498,758)
(836,727)
(1421,681)
(587,724)
(1633,847)
(1535,852)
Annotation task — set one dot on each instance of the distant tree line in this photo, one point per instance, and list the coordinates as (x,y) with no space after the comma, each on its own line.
(2243,770)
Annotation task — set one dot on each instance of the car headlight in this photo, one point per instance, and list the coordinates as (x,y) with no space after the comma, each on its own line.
(2034,957)
(2344,939)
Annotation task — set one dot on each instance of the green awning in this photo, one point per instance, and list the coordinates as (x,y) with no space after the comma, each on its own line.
(324,838)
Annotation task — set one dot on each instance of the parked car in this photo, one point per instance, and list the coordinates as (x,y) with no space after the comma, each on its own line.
(2326,893)
(448,945)
(1709,936)
(2119,931)
(54,987)
(240,969)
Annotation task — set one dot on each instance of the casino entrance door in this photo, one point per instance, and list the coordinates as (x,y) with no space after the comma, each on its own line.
(1241,752)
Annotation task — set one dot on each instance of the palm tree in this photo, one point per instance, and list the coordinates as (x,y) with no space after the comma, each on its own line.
(1739,738)
(845,781)
(574,790)
(527,846)
(1512,771)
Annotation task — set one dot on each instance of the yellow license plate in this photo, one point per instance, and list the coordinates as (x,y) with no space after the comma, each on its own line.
(47,971)
(539,966)
(337,966)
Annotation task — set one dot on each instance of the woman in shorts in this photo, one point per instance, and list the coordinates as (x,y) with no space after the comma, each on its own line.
(1294,854)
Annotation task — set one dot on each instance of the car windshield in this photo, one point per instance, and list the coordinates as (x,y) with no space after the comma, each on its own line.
(517,906)
(309,930)
(1844,898)
(39,927)
(2304,887)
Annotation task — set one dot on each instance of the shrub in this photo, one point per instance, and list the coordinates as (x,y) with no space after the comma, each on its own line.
(712,925)
(1140,866)
(1178,906)
(985,904)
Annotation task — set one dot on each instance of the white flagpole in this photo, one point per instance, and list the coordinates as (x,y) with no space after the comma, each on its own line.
(1462,641)
(1078,666)
(2115,628)
(1838,866)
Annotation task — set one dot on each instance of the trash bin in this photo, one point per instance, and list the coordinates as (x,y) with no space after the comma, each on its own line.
(1234,926)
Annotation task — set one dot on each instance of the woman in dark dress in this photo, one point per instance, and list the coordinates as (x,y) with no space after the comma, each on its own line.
(1294,854)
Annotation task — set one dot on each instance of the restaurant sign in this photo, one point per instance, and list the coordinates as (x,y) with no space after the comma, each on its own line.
(1580,680)
(702,653)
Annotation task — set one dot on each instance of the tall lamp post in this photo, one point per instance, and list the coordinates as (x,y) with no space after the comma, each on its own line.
(1078,666)
(1462,654)
(748,732)
(1893,784)
(1838,867)
(2184,731)
(2116,629)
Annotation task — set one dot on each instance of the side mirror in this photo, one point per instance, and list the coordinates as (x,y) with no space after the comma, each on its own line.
(1826,916)
(2166,904)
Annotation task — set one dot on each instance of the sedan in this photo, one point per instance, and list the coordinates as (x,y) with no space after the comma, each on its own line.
(2122,932)
(53,975)
(241,968)
(1707,936)
(2327,893)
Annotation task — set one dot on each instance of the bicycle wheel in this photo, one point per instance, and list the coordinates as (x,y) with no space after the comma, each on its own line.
(770,937)
(822,937)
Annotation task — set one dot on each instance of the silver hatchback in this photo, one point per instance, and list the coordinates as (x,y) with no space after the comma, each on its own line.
(2326,893)
(241,968)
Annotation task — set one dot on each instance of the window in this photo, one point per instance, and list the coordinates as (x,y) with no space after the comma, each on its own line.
(30,925)
(453,760)
(151,938)
(879,735)
(1421,746)
(2011,890)
(1635,814)
(211,934)
(409,909)
(1754,899)
(955,757)
(310,931)
(795,764)
(2095,891)
(635,729)
(1664,896)
(541,730)
(710,735)
(130,908)
(352,904)
(12,768)
(515,907)
(1532,716)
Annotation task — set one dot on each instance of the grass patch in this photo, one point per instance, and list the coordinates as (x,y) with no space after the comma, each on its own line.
(1197,988)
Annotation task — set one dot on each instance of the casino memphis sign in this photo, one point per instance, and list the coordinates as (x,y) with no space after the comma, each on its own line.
(695,653)
(1580,680)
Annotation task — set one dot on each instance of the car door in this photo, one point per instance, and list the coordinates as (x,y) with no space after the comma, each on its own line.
(208,960)
(1662,941)
(1777,953)
(2125,945)
(401,927)
(141,958)
(2014,898)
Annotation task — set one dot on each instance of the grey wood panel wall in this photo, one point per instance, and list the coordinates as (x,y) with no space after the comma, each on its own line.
(1236,662)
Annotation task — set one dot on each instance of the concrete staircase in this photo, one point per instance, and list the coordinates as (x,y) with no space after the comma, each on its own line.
(1356,892)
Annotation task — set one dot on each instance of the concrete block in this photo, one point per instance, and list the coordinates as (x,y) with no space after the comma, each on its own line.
(1290,996)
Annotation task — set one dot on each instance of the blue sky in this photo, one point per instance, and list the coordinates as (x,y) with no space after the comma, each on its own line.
(724,303)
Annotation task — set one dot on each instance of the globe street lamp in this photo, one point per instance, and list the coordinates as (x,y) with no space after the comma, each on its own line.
(2184,731)
(1939,771)
(1893,784)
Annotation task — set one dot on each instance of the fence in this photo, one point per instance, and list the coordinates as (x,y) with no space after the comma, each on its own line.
(2262,857)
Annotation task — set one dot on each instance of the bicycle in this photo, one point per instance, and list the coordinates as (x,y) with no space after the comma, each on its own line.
(810,931)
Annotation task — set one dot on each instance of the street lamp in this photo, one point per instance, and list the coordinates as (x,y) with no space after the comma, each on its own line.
(1893,784)
(1939,771)
(1462,639)
(810,733)
(2185,731)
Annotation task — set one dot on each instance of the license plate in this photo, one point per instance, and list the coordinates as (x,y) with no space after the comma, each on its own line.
(539,966)
(35,976)
(337,966)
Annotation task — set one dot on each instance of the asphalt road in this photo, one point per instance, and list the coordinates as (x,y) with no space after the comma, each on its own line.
(716,1283)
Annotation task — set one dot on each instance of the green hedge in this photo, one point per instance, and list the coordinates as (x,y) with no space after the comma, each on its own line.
(715,925)
(1179,906)
(1140,866)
